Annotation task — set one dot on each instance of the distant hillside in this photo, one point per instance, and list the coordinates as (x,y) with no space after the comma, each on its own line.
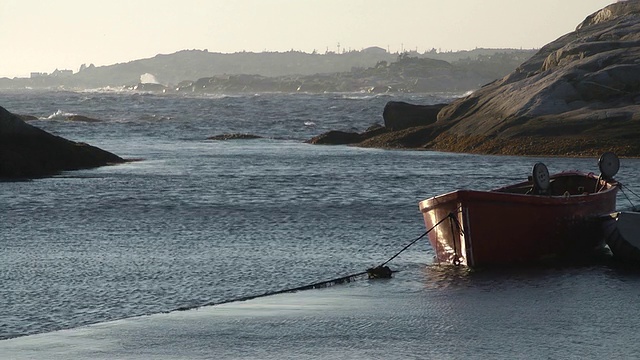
(407,74)
(191,65)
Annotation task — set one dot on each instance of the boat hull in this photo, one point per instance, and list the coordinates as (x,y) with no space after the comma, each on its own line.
(485,228)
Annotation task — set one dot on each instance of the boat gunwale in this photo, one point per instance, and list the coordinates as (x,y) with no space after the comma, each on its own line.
(496,195)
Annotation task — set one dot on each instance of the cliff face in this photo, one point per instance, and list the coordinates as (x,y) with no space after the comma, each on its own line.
(583,88)
(29,152)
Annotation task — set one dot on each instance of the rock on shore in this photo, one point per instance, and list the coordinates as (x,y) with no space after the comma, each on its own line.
(29,152)
(223,137)
(399,115)
(578,96)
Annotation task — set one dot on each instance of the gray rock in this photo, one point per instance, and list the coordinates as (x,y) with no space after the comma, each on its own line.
(399,115)
(82,118)
(571,87)
(150,87)
(579,95)
(336,137)
(234,137)
(27,117)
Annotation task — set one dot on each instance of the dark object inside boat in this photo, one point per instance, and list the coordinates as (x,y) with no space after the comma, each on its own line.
(562,184)
(567,183)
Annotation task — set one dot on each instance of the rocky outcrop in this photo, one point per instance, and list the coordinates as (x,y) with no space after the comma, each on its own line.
(27,117)
(578,96)
(399,115)
(150,87)
(82,118)
(29,152)
(335,137)
(583,88)
(236,136)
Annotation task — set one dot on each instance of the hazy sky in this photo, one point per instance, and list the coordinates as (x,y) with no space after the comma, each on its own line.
(37,35)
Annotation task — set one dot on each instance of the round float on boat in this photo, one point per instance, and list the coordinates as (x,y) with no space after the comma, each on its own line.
(541,177)
(609,165)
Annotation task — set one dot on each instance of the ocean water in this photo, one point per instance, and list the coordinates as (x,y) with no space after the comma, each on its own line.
(94,263)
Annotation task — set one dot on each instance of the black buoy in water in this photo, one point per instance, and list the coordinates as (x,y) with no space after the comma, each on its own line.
(380,272)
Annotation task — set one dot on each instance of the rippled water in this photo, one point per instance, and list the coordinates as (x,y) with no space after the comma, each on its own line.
(200,221)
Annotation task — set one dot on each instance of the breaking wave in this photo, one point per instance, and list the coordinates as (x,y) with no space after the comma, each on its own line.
(58,115)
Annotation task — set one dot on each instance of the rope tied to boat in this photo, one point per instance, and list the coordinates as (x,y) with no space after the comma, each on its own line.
(622,187)
(381,271)
(416,240)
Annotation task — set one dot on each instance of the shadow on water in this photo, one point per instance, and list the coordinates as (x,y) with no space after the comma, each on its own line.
(601,265)
(449,277)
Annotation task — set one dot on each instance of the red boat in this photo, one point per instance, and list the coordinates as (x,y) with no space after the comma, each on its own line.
(545,218)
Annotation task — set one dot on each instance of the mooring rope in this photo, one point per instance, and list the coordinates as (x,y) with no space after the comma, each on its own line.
(414,241)
(317,285)
(622,186)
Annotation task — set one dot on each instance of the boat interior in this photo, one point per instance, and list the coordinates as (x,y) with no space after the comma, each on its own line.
(567,183)
(560,185)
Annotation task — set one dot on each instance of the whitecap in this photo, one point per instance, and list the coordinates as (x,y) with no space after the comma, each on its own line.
(58,115)
(106,89)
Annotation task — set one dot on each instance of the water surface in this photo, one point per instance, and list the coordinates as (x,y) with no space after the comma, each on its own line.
(201,221)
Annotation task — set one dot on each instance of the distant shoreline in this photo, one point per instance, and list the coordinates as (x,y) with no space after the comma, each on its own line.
(372,69)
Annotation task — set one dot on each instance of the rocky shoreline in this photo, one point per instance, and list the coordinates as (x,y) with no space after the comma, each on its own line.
(425,136)
(578,96)
(542,144)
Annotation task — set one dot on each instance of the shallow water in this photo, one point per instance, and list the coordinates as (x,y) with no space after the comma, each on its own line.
(201,221)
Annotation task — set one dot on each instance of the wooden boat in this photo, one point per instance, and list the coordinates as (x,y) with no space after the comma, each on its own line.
(547,217)
(622,234)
